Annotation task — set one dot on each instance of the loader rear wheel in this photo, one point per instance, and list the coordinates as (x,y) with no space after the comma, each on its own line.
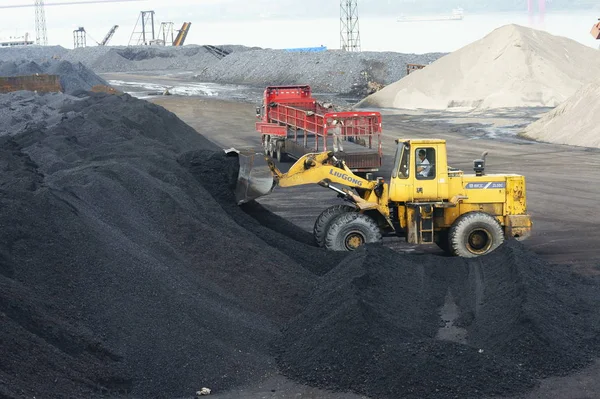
(475,234)
(351,230)
(324,221)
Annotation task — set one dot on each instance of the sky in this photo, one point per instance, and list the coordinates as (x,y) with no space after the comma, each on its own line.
(260,23)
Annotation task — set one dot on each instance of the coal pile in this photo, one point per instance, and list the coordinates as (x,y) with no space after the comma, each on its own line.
(21,111)
(143,271)
(375,327)
(126,268)
(73,76)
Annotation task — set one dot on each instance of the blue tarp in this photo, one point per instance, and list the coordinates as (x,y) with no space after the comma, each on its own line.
(307,49)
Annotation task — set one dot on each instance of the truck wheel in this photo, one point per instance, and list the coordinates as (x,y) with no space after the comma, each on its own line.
(280,155)
(266,144)
(324,221)
(475,234)
(443,241)
(351,230)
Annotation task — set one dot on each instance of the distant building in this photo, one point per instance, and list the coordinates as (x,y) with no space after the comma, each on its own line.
(16,41)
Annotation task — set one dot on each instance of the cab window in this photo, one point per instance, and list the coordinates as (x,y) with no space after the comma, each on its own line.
(425,163)
(401,163)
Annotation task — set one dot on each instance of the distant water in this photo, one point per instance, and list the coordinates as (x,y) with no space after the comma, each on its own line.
(376,34)
(386,34)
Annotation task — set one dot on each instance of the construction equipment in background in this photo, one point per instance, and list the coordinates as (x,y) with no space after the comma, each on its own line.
(413,67)
(165,34)
(143,31)
(217,51)
(40,15)
(293,123)
(108,36)
(182,34)
(595,32)
(79,37)
(425,200)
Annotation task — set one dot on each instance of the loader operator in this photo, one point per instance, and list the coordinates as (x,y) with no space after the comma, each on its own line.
(423,166)
(336,131)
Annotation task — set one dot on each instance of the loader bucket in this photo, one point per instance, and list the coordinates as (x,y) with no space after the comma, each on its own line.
(255,178)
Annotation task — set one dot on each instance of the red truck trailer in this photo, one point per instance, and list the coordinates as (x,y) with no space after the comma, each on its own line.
(293,123)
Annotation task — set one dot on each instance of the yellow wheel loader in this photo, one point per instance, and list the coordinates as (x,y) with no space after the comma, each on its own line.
(425,200)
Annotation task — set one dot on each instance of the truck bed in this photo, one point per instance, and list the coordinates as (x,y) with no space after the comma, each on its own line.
(356,156)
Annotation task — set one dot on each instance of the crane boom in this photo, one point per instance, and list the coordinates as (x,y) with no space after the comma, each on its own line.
(180,39)
(108,36)
(68,3)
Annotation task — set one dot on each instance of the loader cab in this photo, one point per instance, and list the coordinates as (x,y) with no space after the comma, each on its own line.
(420,171)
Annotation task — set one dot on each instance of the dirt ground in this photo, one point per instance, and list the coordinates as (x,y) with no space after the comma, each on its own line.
(563,187)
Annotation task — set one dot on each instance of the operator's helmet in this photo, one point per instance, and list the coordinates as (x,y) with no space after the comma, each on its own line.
(334,122)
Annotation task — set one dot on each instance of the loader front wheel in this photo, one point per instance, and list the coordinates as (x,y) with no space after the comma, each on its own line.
(475,234)
(349,231)
(324,221)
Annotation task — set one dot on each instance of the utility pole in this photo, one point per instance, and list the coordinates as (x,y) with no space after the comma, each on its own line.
(41,37)
(349,31)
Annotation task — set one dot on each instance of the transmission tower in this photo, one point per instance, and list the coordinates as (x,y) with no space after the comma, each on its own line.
(79,37)
(349,32)
(41,37)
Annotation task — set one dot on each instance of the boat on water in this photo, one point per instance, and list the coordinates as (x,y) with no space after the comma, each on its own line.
(457,15)
(16,41)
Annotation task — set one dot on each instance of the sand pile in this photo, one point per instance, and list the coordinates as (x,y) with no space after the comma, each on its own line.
(125,266)
(574,122)
(513,66)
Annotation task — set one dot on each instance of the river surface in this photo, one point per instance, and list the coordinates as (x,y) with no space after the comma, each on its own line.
(376,33)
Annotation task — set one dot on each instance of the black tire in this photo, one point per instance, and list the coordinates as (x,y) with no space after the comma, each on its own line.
(271,150)
(280,155)
(442,240)
(324,221)
(266,144)
(475,234)
(349,231)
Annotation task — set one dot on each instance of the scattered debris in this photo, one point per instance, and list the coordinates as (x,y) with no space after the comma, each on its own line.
(203,392)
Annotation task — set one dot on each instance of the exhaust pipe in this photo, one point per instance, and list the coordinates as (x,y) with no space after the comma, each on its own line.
(255,178)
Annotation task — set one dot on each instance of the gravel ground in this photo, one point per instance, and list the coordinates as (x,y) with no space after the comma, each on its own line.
(33,53)
(329,71)
(144,58)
